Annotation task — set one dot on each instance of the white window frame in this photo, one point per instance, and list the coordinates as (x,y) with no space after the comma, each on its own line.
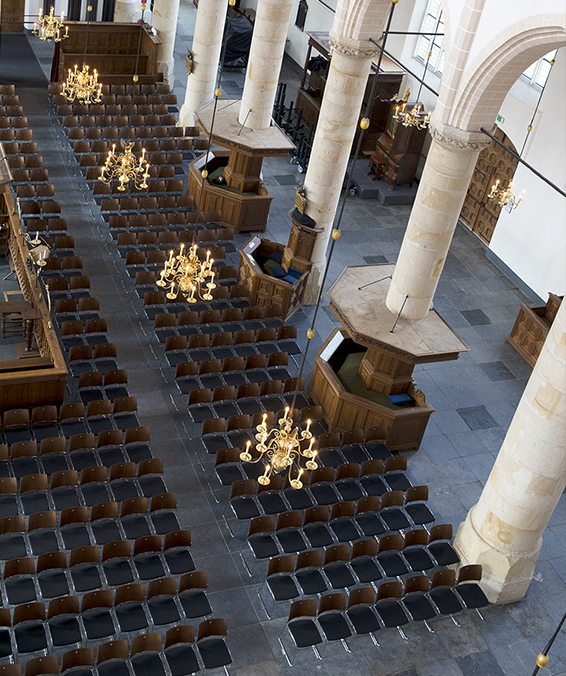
(426,43)
(537,78)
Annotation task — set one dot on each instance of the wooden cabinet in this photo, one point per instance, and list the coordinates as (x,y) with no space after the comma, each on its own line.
(532,326)
(400,147)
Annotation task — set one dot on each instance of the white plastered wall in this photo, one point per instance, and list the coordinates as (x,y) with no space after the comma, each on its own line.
(531,240)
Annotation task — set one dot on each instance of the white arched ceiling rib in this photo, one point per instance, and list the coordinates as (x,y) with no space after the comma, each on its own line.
(489,76)
(361,19)
(457,54)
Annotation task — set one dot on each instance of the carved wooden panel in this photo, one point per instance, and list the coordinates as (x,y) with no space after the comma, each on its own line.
(479,212)
(12,16)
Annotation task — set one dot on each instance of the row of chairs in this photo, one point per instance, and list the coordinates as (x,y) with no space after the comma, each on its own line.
(84,308)
(154,121)
(168,240)
(220,344)
(208,320)
(35,207)
(55,88)
(321,527)
(92,332)
(185,219)
(246,375)
(28,162)
(337,617)
(327,486)
(88,569)
(167,145)
(159,187)
(76,286)
(148,655)
(83,358)
(80,525)
(20,147)
(72,418)
(34,176)
(121,480)
(13,118)
(342,566)
(247,399)
(19,134)
(149,204)
(75,452)
(36,628)
(224,297)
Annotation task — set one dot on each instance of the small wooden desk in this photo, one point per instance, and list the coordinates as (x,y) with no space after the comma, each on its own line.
(376,167)
(8,308)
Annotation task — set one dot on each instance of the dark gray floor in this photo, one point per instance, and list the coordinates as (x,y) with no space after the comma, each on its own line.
(474,399)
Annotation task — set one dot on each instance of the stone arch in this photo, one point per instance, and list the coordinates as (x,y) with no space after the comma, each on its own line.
(361,19)
(490,75)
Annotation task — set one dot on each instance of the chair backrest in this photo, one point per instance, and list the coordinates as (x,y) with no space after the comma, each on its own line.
(332,602)
(177,538)
(40,666)
(390,590)
(24,565)
(443,578)
(51,560)
(129,592)
(116,549)
(40,520)
(185,633)
(133,506)
(303,608)
(163,586)
(112,649)
(104,510)
(33,482)
(27,612)
(81,555)
(417,583)
(147,543)
(72,515)
(214,627)
(470,573)
(23,449)
(66,605)
(146,642)
(81,657)
(388,543)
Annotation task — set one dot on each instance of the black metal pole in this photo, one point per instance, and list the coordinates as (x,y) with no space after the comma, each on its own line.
(526,164)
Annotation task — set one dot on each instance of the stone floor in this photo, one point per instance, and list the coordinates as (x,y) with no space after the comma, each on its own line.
(474,400)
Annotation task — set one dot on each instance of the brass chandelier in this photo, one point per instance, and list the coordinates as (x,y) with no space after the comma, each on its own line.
(125,167)
(189,274)
(281,449)
(505,198)
(83,85)
(412,118)
(50,27)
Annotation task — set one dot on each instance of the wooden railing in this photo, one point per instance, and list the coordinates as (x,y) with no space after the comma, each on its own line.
(35,381)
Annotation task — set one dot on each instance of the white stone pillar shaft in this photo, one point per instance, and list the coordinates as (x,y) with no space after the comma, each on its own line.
(503,531)
(165,13)
(335,131)
(441,193)
(127,11)
(207,43)
(264,64)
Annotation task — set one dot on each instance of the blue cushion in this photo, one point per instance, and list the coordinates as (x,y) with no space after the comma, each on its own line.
(290,279)
(401,399)
(276,256)
(294,273)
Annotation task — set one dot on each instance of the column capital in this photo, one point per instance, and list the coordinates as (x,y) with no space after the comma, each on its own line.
(457,139)
(358,49)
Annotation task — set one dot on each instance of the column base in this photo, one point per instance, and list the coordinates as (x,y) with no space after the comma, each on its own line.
(506,575)
(167,68)
(186,117)
(313,285)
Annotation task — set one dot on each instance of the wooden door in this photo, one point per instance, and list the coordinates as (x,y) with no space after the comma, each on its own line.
(12,16)
(479,213)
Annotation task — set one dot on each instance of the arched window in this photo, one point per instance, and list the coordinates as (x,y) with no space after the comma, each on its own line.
(432,23)
(537,73)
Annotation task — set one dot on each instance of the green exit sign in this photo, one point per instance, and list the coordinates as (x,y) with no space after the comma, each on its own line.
(500,119)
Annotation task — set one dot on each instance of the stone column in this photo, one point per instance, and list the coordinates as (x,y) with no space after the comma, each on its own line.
(207,43)
(335,130)
(264,64)
(446,176)
(165,13)
(127,11)
(504,530)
